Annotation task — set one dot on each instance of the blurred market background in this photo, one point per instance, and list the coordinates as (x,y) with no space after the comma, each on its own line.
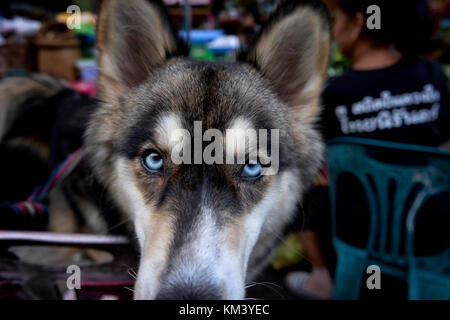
(34,35)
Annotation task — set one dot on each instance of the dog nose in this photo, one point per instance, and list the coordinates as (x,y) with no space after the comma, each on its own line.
(188,292)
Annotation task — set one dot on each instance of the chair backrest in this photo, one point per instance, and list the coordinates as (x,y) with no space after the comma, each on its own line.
(397,179)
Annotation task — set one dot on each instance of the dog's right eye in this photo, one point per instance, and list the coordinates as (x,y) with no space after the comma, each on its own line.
(252,170)
(153,161)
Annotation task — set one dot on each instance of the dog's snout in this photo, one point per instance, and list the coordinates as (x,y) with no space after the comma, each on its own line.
(190,292)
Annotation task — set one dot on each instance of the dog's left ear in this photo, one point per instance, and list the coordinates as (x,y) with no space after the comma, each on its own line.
(134,37)
(292,53)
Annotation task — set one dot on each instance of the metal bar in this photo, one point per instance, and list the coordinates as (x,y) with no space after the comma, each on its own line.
(14,238)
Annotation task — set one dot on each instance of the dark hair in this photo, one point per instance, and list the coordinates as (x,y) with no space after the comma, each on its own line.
(408,24)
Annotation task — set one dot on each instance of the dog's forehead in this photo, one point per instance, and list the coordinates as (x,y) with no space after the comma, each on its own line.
(215,93)
(182,93)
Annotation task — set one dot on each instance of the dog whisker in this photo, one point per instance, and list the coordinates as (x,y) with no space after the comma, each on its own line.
(131,271)
(269,285)
(118,225)
(290,246)
(128,288)
(262,283)
(132,274)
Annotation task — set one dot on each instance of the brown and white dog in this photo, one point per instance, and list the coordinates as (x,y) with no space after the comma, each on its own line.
(203,229)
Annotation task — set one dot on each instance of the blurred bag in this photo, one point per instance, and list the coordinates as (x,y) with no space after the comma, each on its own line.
(16,54)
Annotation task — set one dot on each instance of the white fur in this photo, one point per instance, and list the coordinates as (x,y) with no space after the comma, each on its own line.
(168,124)
(153,253)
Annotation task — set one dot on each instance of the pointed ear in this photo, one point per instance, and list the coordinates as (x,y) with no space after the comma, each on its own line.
(292,53)
(134,37)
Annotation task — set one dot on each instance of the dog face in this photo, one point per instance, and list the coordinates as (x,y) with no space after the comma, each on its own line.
(200,225)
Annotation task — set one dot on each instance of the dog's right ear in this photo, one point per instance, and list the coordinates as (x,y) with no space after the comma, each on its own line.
(134,37)
(292,52)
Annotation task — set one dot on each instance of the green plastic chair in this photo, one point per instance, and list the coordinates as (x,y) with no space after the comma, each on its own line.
(392,221)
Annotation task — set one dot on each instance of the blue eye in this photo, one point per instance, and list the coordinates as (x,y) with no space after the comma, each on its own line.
(153,161)
(252,170)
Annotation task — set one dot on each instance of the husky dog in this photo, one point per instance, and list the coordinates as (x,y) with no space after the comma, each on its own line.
(203,230)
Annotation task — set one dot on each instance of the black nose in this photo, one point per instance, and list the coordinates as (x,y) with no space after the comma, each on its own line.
(190,292)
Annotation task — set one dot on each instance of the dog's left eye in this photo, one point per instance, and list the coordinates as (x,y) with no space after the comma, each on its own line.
(153,161)
(252,170)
